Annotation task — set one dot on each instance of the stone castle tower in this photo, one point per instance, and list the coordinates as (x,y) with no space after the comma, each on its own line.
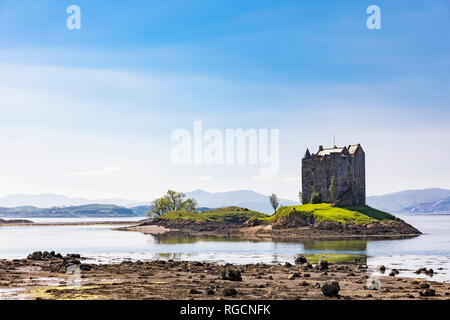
(342,167)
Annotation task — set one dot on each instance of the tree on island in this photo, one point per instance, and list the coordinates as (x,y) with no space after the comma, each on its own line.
(300,196)
(172,201)
(316,198)
(274,202)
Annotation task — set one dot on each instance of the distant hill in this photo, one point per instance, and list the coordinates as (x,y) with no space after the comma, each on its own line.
(22,205)
(48,200)
(404,201)
(91,210)
(241,198)
(441,206)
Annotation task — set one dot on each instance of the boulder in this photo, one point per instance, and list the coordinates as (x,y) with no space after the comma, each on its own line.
(194,291)
(427,292)
(85,267)
(300,259)
(210,292)
(231,275)
(307,265)
(330,288)
(37,255)
(229,292)
(293,276)
(323,264)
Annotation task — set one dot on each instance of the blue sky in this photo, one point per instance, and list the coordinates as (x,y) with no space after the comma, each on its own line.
(102,101)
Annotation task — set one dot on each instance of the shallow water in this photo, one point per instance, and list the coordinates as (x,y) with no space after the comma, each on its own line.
(101,244)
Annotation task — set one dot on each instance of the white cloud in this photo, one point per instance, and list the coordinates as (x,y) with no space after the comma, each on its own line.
(105,172)
(205,178)
(292,179)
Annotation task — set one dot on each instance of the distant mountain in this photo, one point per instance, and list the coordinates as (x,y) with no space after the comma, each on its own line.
(242,198)
(441,206)
(52,205)
(140,210)
(91,210)
(48,200)
(426,200)
(405,201)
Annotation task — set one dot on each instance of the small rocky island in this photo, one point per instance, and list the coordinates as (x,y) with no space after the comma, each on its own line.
(293,222)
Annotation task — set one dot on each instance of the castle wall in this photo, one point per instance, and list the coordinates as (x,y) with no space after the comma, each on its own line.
(316,177)
(359,177)
(348,172)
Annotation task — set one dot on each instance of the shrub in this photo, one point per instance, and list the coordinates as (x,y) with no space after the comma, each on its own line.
(316,198)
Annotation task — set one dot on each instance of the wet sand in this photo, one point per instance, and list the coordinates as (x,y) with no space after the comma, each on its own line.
(51,278)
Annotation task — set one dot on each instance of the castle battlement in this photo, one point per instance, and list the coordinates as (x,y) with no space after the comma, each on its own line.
(337,174)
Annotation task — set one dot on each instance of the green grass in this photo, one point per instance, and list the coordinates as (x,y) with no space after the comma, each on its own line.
(371,212)
(229,214)
(325,212)
(334,257)
(320,212)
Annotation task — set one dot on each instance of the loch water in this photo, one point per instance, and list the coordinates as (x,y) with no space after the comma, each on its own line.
(103,244)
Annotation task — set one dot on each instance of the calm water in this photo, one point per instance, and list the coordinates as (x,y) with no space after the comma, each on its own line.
(102,244)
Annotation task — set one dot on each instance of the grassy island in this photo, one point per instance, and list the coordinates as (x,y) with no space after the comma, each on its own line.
(228,214)
(325,212)
(319,212)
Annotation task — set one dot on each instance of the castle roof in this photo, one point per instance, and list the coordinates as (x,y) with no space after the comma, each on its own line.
(350,150)
(353,147)
(328,151)
(307,154)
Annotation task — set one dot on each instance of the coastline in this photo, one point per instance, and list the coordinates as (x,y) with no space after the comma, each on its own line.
(258,232)
(51,224)
(49,278)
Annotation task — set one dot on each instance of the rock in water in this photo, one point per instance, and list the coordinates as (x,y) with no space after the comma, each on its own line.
(232,275)
(330,288)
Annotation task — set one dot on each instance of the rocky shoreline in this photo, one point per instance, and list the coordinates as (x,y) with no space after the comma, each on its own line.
(49,275)
(15,221)
(288,228)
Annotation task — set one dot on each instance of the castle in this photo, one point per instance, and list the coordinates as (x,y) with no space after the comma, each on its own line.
(337,174)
